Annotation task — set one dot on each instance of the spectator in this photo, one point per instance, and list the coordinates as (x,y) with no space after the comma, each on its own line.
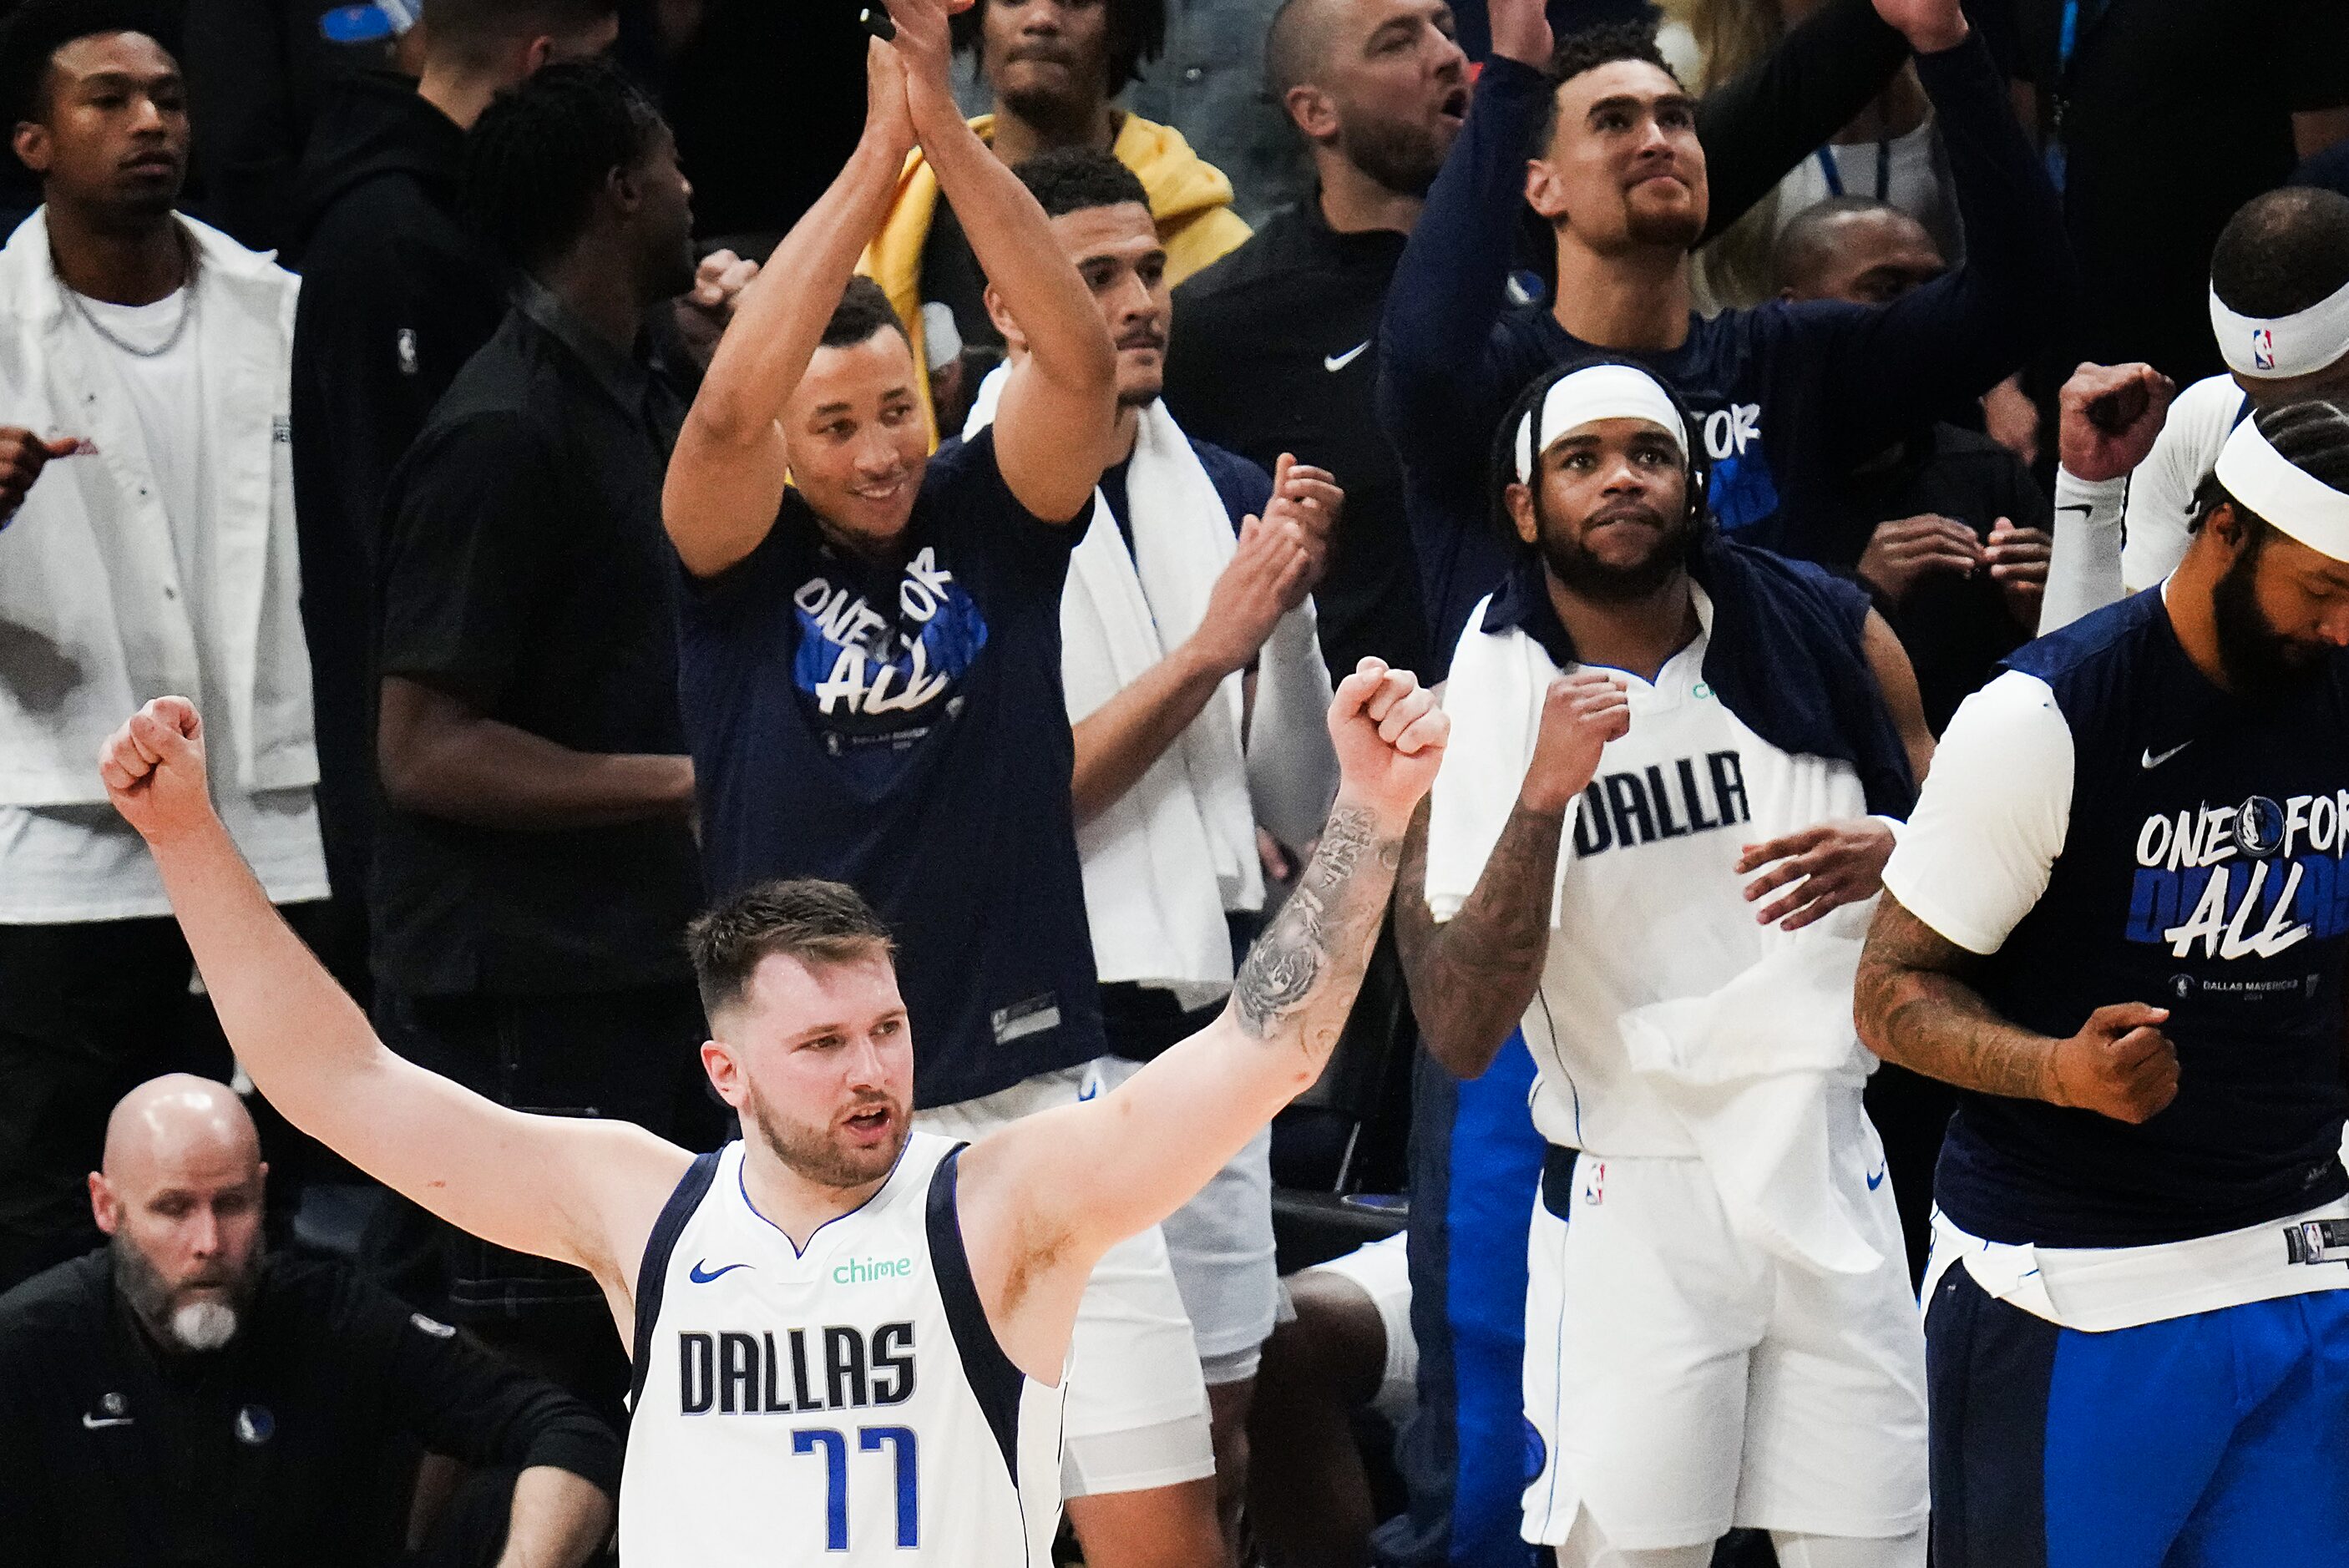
(1052,65)
(148,354)
(1208,84)
(1957,557)
(872,676)
(396,296)
(183,1397)
(536,866)
(2155,145)
(2279,311)
(1343,1350)
(1788,396)
(1192,676)
(1278,352)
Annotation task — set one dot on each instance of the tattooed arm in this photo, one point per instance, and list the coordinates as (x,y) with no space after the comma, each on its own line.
(1914,1008)
(1472,977)
(1042,1199)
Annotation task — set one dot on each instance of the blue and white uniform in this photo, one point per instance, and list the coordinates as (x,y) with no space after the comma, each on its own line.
(844,1403)
(2132,1362)
(1719,1329)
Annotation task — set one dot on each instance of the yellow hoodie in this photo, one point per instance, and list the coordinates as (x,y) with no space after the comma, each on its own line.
(1190,198)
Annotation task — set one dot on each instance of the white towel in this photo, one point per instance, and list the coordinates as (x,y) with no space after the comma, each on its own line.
(1165,860)
(1494,696)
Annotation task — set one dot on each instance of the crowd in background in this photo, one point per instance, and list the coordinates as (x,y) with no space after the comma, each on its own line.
(350,372)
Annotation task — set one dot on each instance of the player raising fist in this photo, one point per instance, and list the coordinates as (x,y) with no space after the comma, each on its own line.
(848,1335)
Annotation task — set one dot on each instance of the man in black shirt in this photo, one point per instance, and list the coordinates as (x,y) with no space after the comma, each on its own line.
(180,1399)
(535,866)
(396,296)
(1276,350)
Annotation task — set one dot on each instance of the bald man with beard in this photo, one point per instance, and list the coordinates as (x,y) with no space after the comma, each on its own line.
(180,1395)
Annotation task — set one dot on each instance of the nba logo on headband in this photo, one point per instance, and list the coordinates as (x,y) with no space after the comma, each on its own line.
(2263,349)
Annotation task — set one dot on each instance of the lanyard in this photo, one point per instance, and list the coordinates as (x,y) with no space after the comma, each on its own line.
(1833,174)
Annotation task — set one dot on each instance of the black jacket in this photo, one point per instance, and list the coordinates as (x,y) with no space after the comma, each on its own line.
(295,1445)
(396,296)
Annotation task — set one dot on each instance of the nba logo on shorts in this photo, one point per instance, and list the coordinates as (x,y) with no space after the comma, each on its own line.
(1594,1182)
(2263,349)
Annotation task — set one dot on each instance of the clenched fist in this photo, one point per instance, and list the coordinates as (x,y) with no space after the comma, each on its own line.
(2119,1065)
(154,769)
(1388,734)
(1580,714)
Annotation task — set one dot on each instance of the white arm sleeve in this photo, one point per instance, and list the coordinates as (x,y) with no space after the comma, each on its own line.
(2161,491)
(2084,570)
(1991,818)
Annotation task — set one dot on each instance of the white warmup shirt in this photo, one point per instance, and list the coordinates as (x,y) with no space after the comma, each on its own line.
(847,1404)
(66,863)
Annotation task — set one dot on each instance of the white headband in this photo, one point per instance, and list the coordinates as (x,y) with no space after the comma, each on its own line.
(2296,501)
(2268,349)
(1598,392)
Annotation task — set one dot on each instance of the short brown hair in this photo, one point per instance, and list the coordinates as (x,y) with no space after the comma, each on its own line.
(804,918)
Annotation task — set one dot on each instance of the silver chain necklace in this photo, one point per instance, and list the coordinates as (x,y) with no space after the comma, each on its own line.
(179,329)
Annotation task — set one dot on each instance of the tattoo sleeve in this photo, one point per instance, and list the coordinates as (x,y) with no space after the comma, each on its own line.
(1300,977)
(1473,977)
(1914,1008)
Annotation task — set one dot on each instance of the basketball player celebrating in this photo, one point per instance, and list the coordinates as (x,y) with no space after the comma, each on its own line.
(2116,922)
(848,1336)
(1719,1329)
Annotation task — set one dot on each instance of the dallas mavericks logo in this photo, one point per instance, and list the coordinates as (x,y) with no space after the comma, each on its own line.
(2259,828)
(2263,349)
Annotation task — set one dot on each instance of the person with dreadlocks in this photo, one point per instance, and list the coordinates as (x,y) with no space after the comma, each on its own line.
(1720,1331)
(2117,923)
(535,860)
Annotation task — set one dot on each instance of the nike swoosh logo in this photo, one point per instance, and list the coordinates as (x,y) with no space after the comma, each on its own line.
(696,1275)
(1340,361)
(2076,505)
(94,1423)
(2152,759)
(1876,1181)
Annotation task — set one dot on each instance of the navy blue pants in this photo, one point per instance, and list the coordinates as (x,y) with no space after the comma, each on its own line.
(2219,1439)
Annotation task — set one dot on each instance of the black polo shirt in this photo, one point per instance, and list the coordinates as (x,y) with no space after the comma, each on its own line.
(291,1447)
(526,573)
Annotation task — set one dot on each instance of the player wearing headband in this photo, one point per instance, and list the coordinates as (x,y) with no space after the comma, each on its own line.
(2280,314)
(1719,1329)
(2116,922)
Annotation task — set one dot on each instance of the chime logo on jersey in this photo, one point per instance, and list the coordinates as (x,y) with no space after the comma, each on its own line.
(2249,880)
(857,662)
(1661,800)
(835,1367)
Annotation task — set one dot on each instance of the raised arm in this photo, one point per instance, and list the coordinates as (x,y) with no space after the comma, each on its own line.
(1055,428)
(726,475)
(1473,976)
(1043,1199)
(2109,423)
(579,1191)
(1761,123)
(1958,336)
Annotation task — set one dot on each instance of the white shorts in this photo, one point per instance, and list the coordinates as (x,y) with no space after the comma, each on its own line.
(1382,1270)
(1222,1247)
(1681,1380)
(1136,1412)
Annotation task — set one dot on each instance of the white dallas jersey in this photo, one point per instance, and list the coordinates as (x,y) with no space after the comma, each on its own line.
(1651,906)
(847,1398)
